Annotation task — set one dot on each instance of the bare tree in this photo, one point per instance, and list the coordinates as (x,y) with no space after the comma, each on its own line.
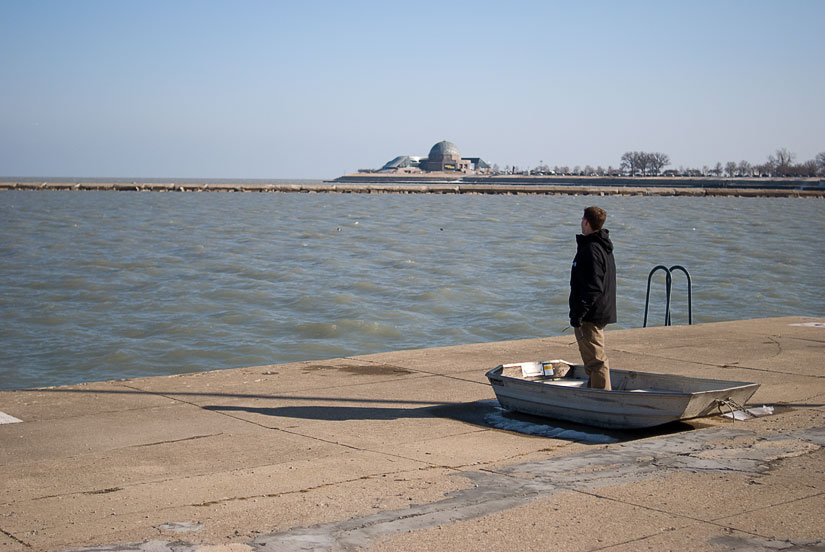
(640,161)
(657,161)
(820,163)
(808,168)
(631,161)
(730,168)
(745,169)
(781,161)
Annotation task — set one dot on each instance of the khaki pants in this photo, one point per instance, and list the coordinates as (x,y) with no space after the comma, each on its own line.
(590,338)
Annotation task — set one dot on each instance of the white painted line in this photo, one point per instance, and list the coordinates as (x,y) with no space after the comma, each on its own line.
(6,419)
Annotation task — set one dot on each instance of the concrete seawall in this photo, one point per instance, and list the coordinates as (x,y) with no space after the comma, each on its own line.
(587,181)
(417,186)
(408,451)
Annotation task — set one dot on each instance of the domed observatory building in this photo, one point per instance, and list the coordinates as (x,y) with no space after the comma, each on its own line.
(443,157)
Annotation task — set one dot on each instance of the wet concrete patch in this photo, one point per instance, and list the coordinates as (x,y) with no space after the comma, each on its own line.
(180,526)
(712,450)
(521,484)
(737,544)
(500,418)
(360,369)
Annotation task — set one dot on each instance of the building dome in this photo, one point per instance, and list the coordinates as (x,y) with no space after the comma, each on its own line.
(443,149)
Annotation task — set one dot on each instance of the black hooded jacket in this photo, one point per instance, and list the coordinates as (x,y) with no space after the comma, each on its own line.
(593,280)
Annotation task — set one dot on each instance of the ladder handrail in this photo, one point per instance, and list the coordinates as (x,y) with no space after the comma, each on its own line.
(668,280)
(690,285)
(668,289)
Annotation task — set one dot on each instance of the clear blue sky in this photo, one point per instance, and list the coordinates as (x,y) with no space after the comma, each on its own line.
(316,89)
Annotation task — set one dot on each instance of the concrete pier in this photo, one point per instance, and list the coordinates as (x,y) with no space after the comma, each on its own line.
(410,185)
(408,450)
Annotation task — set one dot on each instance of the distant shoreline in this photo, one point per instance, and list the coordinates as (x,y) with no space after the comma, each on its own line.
(588,181)
(444,183)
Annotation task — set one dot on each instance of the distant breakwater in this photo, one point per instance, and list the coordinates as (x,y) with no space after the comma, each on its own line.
(369,183)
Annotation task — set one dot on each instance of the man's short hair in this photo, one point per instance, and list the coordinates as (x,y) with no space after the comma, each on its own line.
(596,217)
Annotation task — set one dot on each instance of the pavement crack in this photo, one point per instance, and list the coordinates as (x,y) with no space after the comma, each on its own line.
(767,507)
(294,492)
(771,370)
(776,342)
(193,438)
(15,539)
(103,491)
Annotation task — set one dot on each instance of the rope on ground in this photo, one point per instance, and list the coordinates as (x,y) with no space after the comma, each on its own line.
(732,406)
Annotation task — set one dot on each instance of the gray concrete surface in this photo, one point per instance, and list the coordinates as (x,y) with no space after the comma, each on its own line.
(403,451)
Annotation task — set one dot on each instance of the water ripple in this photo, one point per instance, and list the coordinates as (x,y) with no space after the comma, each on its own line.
(103,285)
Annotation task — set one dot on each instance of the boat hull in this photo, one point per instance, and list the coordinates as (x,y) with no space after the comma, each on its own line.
(638,399)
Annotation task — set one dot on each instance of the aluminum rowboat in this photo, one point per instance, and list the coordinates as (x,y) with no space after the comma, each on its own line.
(638,399)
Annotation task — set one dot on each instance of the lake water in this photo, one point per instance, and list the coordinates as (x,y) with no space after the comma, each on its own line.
(107,285)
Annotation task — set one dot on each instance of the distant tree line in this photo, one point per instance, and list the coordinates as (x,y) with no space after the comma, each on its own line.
(780,163)
(640,163)
(644,163)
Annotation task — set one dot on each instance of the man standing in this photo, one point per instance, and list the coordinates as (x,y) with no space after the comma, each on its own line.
(593,295)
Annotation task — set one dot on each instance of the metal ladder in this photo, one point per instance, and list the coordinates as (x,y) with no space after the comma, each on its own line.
(668,288)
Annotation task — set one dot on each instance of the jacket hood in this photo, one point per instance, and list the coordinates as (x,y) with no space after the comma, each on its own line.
(602,237)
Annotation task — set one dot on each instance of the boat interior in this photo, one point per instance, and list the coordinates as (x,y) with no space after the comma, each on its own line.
(564,374)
